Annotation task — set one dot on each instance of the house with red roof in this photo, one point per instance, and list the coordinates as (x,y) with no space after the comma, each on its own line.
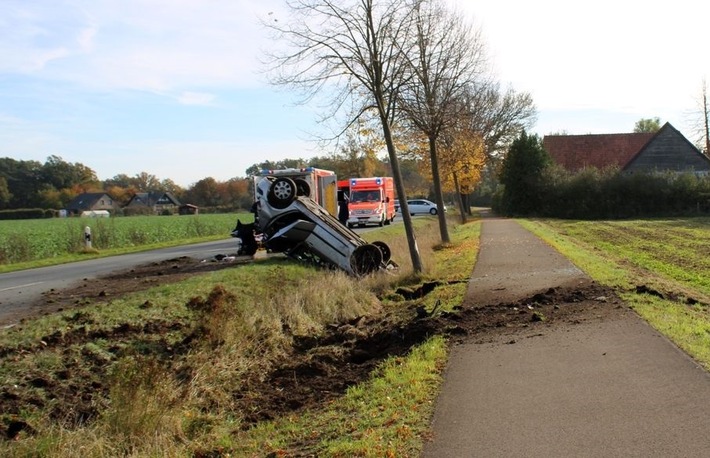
(665,150)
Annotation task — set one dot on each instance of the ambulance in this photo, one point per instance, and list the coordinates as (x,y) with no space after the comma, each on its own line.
(317,184)
(371,201)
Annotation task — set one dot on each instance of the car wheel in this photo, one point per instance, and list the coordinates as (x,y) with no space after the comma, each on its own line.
(302,187)
(433,211)
(366,259)
(281,193)
(386,252)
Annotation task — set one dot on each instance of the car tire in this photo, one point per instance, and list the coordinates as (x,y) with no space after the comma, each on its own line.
(385,249)
(365,259)
(433,211)
(302,187)
(281,193)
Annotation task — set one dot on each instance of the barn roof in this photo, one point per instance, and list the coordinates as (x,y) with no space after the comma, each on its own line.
(575,152)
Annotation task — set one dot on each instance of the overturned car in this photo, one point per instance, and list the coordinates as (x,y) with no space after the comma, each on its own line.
(290,222)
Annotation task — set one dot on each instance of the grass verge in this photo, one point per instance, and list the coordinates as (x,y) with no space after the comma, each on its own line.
(640,258)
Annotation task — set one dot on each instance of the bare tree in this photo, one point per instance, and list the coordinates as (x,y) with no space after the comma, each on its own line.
(705,121)
(699,120)
(499,116)
(351,49)
(448,56)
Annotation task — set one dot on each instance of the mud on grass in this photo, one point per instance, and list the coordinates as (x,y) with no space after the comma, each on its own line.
(72,388)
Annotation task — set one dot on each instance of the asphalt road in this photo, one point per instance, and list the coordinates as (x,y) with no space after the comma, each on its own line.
(22,288)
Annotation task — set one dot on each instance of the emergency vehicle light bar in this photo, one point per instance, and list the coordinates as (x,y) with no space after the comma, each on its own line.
(378,181)
(293,170)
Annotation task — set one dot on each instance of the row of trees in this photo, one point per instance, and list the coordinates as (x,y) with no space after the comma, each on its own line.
(52,185)
(417,72)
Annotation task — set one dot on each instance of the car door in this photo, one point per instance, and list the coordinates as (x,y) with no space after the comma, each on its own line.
(415,206)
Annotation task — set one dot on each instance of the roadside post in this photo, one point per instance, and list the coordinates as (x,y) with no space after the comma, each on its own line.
(87,237)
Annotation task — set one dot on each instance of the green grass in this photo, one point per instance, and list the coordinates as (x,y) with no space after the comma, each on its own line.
(388,415)
(670,256)
(385,416)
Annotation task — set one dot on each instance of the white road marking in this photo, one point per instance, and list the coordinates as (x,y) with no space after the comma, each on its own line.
(22,286)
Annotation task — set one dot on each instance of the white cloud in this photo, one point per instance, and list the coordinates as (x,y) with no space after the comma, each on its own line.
(195,98)
(153,45)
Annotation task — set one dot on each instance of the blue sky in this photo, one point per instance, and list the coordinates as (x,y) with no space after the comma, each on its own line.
(174,87)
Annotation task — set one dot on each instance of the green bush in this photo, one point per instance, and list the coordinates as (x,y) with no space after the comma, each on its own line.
(521,177)
(26,213)
(612,194)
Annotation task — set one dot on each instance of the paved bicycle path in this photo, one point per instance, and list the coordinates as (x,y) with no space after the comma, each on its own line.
(611,388)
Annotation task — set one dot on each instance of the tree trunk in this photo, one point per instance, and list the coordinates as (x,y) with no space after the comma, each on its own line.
(459,199)
(706,114)
(402,195)
(438,195)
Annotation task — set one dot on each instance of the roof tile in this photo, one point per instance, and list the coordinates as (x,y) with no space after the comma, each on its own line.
(575,152)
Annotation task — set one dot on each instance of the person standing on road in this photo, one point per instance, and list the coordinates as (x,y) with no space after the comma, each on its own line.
(343,212)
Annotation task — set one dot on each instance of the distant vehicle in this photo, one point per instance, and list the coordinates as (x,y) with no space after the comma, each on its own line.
(396,205)
(422,207)
(371,201)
